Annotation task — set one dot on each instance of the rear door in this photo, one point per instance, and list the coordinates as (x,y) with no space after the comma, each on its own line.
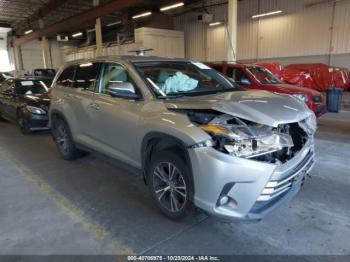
(83,98)
(79,100)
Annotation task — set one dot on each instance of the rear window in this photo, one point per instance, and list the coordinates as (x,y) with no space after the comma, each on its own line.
(86,76)
(44,72)
(67,76)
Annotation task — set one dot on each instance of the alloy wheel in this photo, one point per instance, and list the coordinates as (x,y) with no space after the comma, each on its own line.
(62,139)
(170,187)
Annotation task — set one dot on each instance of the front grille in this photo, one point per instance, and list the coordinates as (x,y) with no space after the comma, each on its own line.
(276,188)
(317,99)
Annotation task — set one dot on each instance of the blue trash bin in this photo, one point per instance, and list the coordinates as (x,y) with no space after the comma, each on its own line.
(334,99)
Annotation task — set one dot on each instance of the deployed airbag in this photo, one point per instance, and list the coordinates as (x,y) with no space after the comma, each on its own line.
(179,83)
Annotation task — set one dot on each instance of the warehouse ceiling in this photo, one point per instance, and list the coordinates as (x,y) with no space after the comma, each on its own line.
(23,15)
(20,13)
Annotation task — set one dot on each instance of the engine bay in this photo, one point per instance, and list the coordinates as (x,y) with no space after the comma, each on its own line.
(242,138)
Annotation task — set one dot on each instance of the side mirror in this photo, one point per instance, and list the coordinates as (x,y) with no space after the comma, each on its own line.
(245,82)
(122,90)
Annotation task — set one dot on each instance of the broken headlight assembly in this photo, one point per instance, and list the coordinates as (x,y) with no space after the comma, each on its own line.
(241,138)
(247,141)
(309,125)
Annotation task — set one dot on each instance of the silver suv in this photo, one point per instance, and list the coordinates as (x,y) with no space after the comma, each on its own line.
(198,138)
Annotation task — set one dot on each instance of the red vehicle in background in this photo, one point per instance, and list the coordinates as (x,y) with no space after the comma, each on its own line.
(258,77)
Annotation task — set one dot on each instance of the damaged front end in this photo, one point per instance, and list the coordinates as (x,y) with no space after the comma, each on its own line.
(245,139)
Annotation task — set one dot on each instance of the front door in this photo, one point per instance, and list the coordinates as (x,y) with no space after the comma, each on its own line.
(115,119)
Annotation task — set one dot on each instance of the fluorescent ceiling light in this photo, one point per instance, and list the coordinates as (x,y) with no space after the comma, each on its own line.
(215,23)
(77,34)
(114,23)
(28,32)
(142,15)
(165,8)
(91,30)
(267,14)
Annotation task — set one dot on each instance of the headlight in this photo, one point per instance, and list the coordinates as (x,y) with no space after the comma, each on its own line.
(36,110)
(301,97)
(241,141)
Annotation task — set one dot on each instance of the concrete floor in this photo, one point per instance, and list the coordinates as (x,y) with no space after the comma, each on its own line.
(92,206)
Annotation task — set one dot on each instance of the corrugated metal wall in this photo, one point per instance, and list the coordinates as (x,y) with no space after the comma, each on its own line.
(202,42)
(32,55)
(301,31)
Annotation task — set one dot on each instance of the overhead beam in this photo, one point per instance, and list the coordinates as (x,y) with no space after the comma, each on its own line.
(80,19)
(43,11)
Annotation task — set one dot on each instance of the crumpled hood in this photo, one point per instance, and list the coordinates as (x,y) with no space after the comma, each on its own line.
(257,106)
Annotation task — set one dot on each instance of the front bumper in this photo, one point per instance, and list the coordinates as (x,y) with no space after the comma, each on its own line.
(37,122)
(253,188)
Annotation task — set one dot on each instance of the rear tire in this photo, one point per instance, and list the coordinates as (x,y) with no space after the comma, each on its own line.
(169,184)
(64,140)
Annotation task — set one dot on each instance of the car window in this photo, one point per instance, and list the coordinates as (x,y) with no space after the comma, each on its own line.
(67,76)
(217,68)
(177,78)
(238,75)
(30,87)
(86,76)
(263,75)
(44,72)
(112,73)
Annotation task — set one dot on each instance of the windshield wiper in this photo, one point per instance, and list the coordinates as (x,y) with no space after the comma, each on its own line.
(171,96)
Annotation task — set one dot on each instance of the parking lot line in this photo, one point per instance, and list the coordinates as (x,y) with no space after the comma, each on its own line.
(70,209)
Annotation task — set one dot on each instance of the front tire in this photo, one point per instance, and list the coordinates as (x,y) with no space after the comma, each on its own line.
(23,125)
(169,184)
(64,140)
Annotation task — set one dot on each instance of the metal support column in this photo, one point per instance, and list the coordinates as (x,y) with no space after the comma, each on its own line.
(98,31)
(232,30)
(44,47)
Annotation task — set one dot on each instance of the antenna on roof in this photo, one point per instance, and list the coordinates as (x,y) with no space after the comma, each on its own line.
(141,51)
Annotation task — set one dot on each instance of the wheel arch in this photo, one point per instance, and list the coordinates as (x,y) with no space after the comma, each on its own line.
(54,115)
(157,141)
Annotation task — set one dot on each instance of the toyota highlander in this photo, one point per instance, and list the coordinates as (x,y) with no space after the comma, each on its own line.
(198,138)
